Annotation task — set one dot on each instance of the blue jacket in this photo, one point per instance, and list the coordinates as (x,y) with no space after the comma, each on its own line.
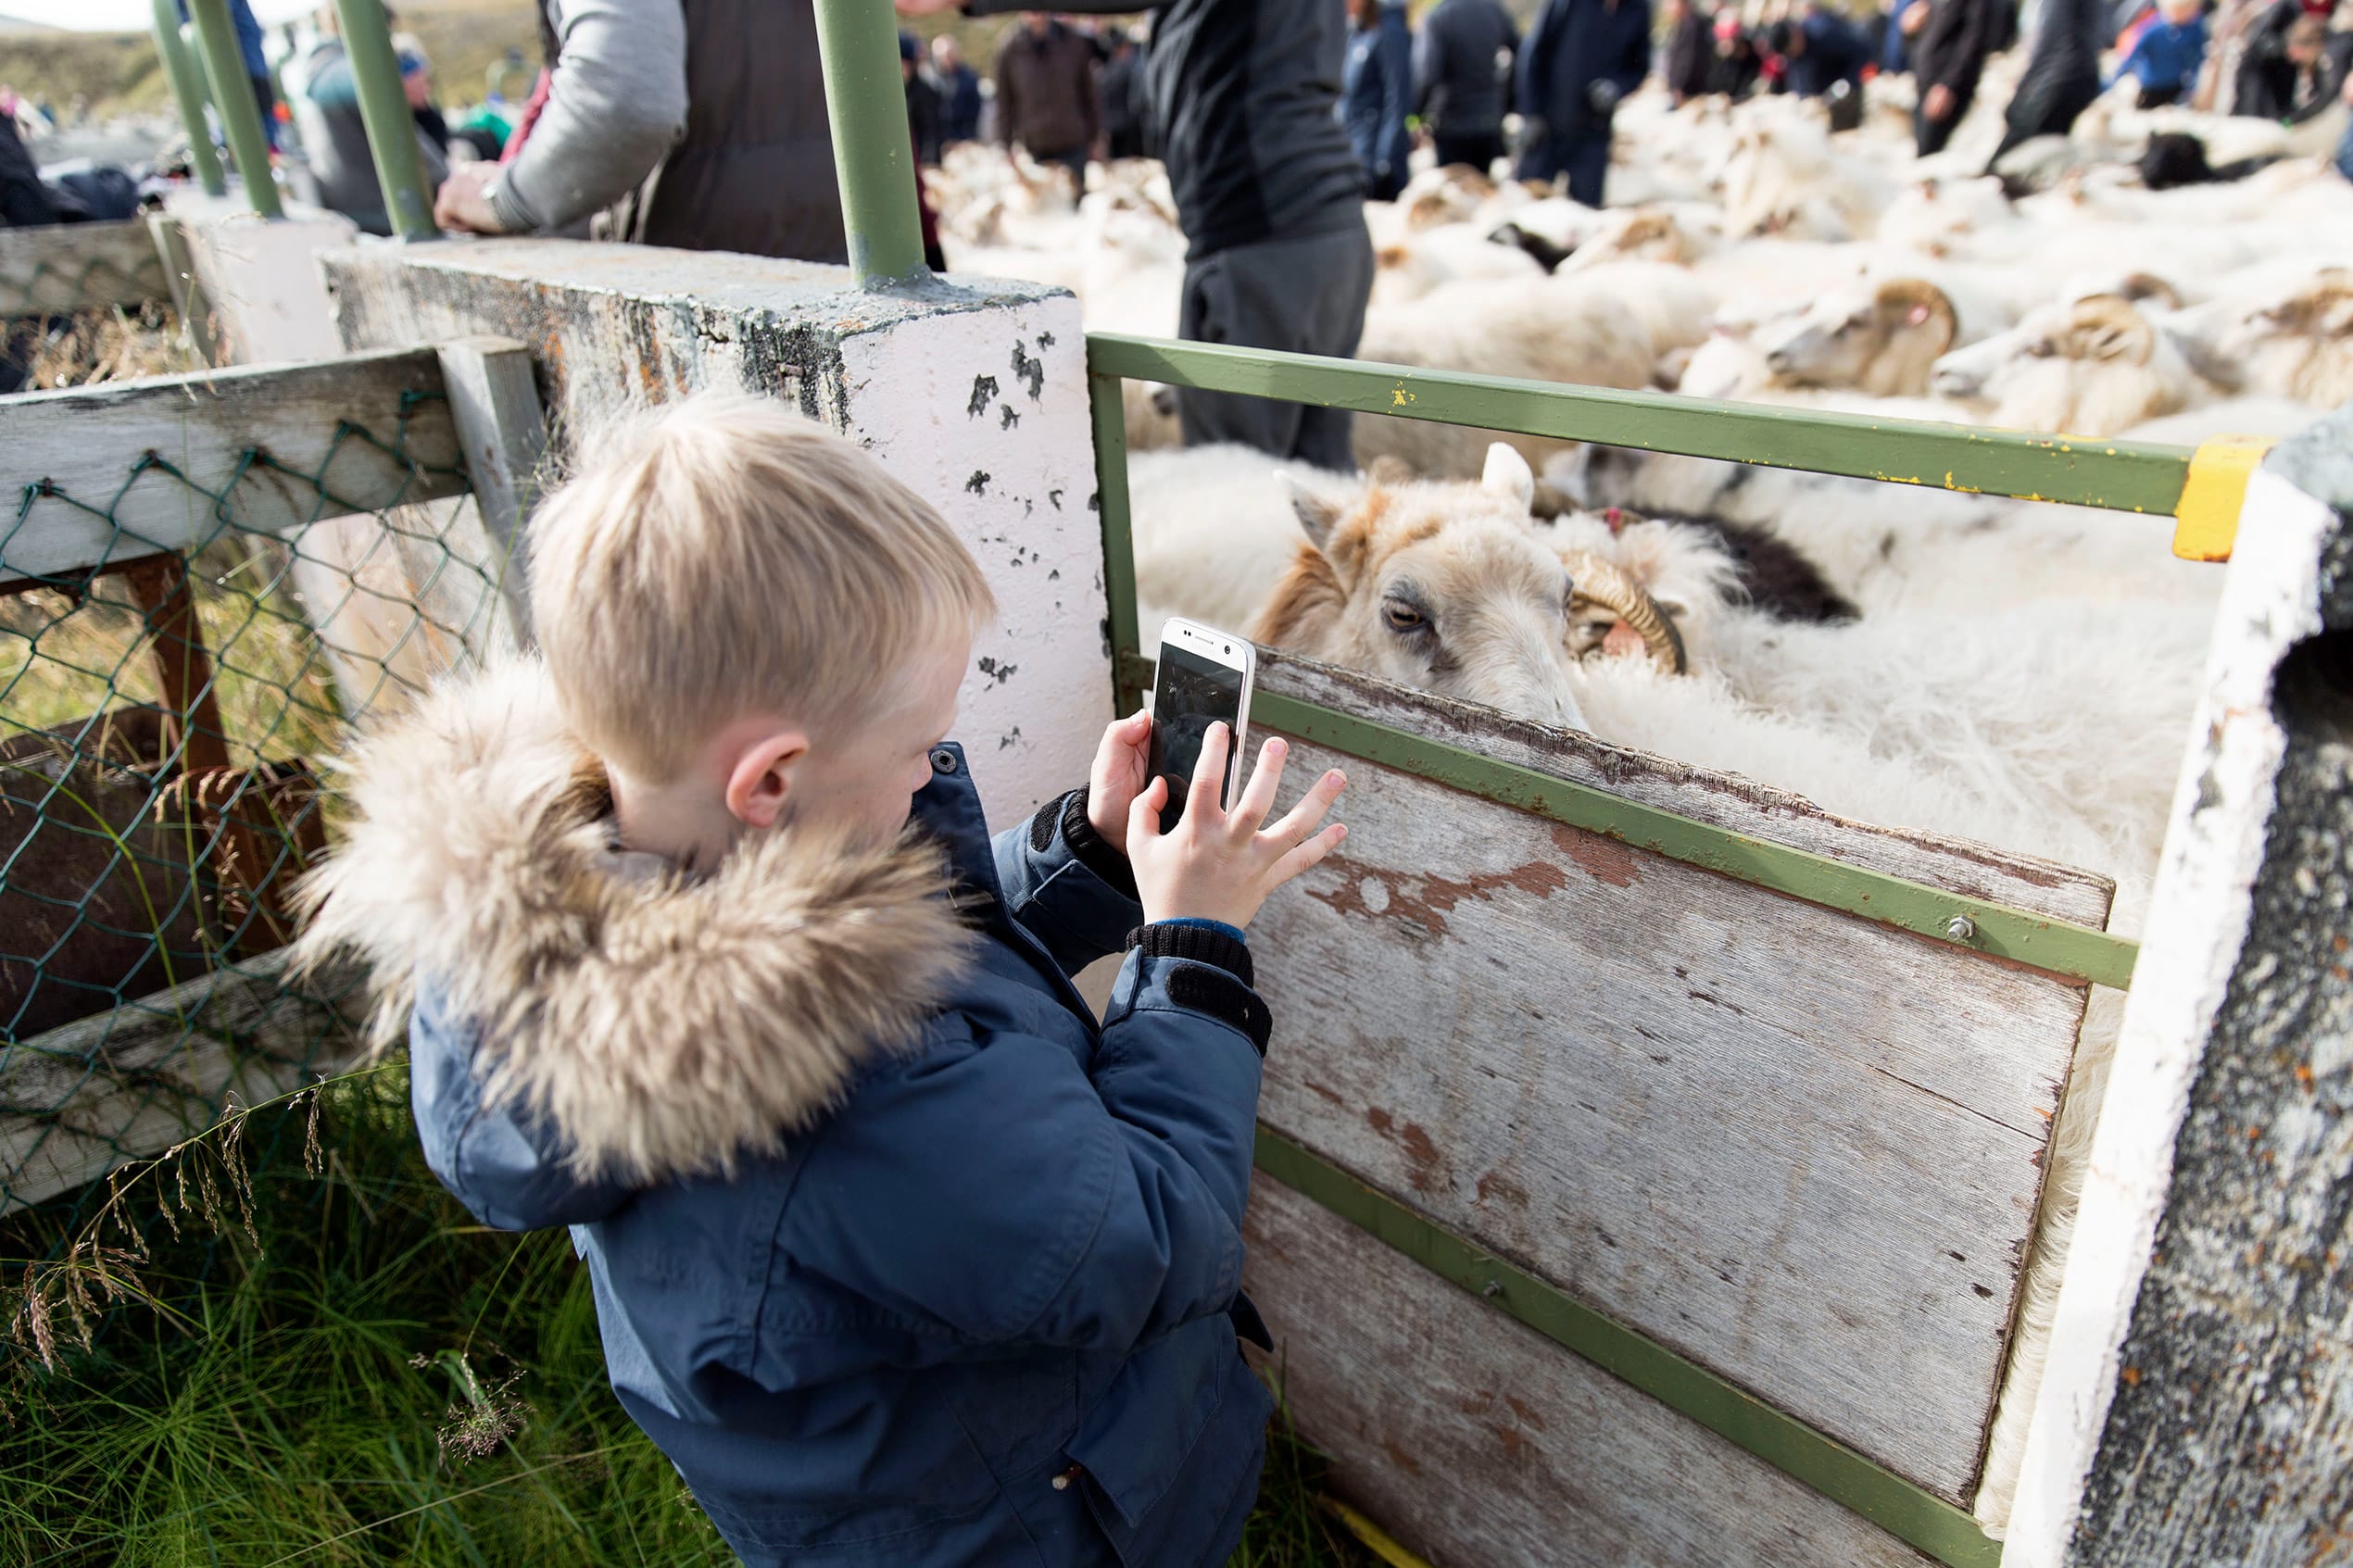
(2166,55)
(1376,90)
(1573,44)
(960,105)
(1835,51)
(947,1283)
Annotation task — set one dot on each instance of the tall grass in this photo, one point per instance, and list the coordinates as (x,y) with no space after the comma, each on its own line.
(338,1366)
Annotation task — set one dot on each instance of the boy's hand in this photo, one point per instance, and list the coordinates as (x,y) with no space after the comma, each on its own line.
(1120,763)
(1220,864)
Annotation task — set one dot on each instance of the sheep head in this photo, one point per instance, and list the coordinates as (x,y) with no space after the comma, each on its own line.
(1882,337)
(1446,587)
(2091,366)
(2299,344)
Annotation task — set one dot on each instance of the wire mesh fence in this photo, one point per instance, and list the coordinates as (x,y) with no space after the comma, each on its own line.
(84,303)
(166,697)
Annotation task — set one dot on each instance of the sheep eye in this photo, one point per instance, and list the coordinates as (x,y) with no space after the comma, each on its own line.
(1402,616)
(2039,350)
(1847,326)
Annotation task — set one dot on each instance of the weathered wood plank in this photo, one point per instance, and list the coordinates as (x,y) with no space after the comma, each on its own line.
(85,1097)
(85,445)
(1725,800)
(1479,1443)
(495,400)
(2199,1402)
(63,268)
(1798,1147)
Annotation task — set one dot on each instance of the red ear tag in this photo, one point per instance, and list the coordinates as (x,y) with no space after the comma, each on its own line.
(1616,519)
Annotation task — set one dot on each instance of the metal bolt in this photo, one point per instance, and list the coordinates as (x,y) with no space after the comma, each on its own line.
(1960,928)
(1494,1288)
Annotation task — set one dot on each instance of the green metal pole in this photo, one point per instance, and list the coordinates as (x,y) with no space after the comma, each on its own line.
(232,100)
(384,108)
(874,154)
(187,87)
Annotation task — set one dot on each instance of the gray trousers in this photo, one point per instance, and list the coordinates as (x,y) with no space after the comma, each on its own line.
(1306,295)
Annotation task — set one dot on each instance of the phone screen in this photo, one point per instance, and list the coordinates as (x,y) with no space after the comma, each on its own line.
(1191,695)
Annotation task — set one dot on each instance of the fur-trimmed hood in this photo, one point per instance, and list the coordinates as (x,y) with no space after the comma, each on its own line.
(665,1028)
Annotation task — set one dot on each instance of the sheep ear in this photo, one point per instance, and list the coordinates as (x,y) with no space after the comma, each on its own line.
(1508,475)
(1318,514)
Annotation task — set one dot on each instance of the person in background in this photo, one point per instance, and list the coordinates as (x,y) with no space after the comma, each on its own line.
(1687,67)
(1376,85)
(701,128)
(1462,77)
(1581,59)
(2344,160)
(1268,193)
(2165,59)
(416,84)
(959,92)
(2062,75)
(336,136)
(1735,67)
(1123,87)
(257,61)
(1949,42)
(2290,73)
(1895,54)
(1822,50)
(1047,100)
(923,102)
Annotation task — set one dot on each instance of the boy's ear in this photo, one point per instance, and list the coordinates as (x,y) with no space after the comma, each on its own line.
(761,780)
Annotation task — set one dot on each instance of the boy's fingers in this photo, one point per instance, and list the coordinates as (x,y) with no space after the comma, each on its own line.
(1301,819)
(1208,775)
(1143,812)
(1259,799)
(1308,854)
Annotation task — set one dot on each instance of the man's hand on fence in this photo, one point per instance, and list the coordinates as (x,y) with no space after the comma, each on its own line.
(462,204)
(1220,864)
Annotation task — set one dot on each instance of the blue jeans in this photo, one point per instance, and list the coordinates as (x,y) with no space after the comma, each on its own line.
(2345,153)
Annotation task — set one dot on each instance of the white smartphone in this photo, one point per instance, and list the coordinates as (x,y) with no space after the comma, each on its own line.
(1204,679)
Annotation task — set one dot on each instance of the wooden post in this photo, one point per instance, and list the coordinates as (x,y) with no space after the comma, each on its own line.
(494,402)
(2198,1405)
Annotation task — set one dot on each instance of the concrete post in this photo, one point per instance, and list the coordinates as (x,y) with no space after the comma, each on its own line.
(975,394)
(2198,1405)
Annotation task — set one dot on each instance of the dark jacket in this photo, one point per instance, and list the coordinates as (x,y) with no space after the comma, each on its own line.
(1574,44)
(923,119)
(2063,74)
(1690,67)
(1124,109)
(1046,95)
(1950,50)
(886,1235)
(1242,95)
(1835,51)
(25,202)
(1462,67)
(960,104)
(1375,89)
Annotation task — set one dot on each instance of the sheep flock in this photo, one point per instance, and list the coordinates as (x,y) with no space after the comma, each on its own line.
(2017,673)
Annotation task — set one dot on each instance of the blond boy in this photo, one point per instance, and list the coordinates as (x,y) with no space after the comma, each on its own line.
(705,951)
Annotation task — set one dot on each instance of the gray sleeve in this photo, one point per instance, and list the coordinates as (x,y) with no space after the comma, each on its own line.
(617,103)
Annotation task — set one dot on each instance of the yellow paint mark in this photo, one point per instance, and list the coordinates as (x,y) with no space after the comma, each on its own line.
(1399,398)
(2206,517)
(1374,1536)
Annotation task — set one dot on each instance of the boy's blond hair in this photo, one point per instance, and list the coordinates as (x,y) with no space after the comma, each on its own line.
(722,557)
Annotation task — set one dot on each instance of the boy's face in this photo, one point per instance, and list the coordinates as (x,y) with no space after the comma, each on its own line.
(865,771)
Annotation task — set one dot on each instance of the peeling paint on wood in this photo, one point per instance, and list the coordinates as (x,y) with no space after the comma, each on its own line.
(1793,1145)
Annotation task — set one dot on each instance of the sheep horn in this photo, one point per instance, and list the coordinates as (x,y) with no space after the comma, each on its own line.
(1611,587)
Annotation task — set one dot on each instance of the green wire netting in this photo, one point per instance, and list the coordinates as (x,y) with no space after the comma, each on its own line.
(163,724)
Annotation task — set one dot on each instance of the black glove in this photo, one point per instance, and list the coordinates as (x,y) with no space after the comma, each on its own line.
(1603,95)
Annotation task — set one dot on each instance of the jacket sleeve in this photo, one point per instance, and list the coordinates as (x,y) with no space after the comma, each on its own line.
(616,103)
(1635,64)
(505,1165)
(1430,63)
(993,1191)
(1065,886)
(1397,89)
(1965,57)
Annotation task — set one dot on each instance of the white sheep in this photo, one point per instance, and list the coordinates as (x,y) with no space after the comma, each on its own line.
(2090,367)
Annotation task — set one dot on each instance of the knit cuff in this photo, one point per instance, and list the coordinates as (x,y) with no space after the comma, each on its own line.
(1089,847)
(1200,944)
